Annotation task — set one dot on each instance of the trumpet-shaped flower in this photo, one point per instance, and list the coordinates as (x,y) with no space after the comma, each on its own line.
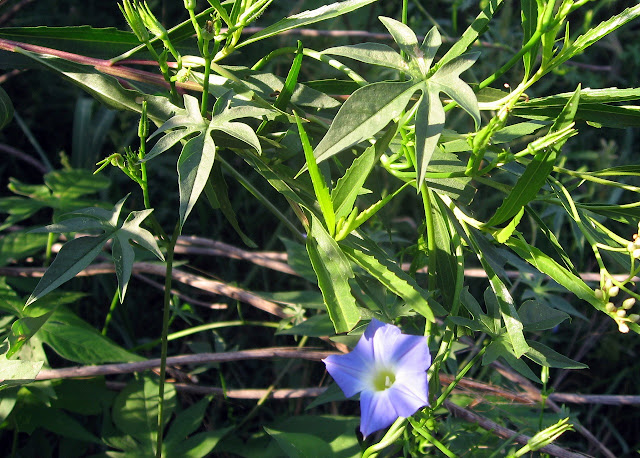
(388,369)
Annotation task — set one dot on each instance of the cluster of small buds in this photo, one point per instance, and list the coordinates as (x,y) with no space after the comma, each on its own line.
(633,247)
(618,313)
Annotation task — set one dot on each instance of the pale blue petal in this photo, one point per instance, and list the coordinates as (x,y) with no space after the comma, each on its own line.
(384,342)
(350,372)
(411,352)
(409,395)
(376,411)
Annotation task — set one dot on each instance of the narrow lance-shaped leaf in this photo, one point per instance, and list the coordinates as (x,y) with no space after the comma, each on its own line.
(217,194)
(367,255)
(333,271)
(537,171)
(507,307)
(559,274)
(596,33)
(475,29)
(306,18)
(347,188)
(106,88)
(319,183)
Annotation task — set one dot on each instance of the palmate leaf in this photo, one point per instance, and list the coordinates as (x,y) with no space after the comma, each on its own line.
(77,254)
(198,153)
(372,107)
(371,53)
(367,111)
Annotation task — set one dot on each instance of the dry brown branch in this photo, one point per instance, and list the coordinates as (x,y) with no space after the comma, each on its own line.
(505,433)
(184,297)
(203,284)
(534,393)
(199,245)
(200,358)
(281,393)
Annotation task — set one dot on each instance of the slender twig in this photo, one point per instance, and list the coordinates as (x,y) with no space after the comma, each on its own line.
(24,157)
(184,297)
(534,393)
(200,358)
(281,393)
(505,433)
(203,284)
(6,17)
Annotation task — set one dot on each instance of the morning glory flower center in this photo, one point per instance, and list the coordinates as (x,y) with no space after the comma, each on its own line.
(383,379)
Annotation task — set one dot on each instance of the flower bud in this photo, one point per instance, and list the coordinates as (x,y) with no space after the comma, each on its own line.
(636,253)
(613,291)
(621,313)
(608,284)
(631,247)
(623,328)
(628,303)
(131,14)
(598,293)
(634,317)
(151,23)
(610,307)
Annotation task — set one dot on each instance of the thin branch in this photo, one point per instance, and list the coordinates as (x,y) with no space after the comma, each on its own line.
(534,393)
(505,433)
(21,155)
(200,358)
(184,297)
(203,284)
(281,393)
(6,17)
(199,245)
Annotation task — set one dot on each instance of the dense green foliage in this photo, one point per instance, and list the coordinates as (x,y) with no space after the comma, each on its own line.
(264,178)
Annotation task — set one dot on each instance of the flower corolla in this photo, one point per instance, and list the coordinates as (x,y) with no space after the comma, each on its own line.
(388,369)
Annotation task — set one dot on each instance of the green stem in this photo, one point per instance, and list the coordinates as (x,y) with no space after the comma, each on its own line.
(459,377)
(269,390)
(314,55)
(48,251)
(112,307)
(392,435)
(439,445)
(204,327)
(263,200)
(165,334)
(431,237)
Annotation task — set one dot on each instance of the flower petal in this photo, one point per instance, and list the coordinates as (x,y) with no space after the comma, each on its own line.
(376,411)
(409,394)
(384,341)
(350,371)
(411,351)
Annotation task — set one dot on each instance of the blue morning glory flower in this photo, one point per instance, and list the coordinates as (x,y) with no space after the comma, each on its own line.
(388,369)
